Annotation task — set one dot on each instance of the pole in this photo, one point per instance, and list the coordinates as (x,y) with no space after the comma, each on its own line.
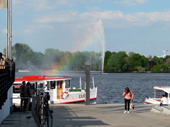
(87,70)
(10,29)
(7,31)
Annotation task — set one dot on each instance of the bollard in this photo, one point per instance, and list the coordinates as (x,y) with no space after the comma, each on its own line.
(87,71)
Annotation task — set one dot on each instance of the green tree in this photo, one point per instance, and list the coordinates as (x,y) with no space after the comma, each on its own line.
(19,49)
(156,69)
(136,60)
(116,63)
(157,60)
(122,54)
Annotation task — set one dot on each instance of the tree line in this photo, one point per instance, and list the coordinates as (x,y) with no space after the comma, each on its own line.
(54,59)
(133,62)
(114,62)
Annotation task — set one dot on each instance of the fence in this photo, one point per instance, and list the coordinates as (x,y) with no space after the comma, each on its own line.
(7,77)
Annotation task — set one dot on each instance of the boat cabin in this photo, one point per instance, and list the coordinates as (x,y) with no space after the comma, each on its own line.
(54,85)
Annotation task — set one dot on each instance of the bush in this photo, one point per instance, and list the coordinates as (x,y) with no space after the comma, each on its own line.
(156,69)
(141,69)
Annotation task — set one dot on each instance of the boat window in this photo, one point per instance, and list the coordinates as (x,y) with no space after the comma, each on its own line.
(159,94)
(67,84)
(59,85)
(41,85)
(52,84)
(16,88)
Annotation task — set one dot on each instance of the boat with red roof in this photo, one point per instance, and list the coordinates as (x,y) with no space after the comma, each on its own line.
(59,88)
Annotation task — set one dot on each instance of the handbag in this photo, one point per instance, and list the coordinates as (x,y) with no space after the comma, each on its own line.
(132,105)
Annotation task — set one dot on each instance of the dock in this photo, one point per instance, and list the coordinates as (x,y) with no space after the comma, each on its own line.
(99,115)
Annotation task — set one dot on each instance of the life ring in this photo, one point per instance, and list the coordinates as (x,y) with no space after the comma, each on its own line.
(64,95)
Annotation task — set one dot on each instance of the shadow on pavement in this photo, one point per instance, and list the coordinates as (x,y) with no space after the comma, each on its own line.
(65,117)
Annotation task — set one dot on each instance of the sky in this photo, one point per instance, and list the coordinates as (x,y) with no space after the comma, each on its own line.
(140,26)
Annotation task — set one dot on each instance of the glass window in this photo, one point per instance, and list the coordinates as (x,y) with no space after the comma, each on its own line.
(52,83)
(59,85)
(67,84)
(41,85)
(16,88)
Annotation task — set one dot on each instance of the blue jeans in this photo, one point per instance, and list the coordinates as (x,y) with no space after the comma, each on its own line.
(163,104)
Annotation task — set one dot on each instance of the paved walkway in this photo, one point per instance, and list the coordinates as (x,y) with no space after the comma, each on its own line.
(107,115)
(19,119)
(100,115)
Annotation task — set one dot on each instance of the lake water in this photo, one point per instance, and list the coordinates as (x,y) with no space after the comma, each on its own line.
(111,86)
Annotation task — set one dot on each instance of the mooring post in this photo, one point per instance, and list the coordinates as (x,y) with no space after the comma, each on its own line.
(87,71)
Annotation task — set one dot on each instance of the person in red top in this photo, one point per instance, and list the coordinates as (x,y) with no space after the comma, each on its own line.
(128,95)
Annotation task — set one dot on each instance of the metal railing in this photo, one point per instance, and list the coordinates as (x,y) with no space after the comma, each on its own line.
(7,77)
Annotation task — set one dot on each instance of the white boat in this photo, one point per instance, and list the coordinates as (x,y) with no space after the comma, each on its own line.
(164,90)
(59,88)
(23,70)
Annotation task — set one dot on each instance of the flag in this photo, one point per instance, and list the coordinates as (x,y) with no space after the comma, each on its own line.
(167,50)
(3,4)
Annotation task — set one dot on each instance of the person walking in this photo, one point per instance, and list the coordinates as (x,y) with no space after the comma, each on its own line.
(128,95)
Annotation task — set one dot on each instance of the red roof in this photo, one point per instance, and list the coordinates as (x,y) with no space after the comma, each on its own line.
(39,78)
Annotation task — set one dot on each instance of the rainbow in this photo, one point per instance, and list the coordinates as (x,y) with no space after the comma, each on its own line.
(94,41)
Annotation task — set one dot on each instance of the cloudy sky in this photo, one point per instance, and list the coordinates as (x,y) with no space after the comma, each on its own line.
(141,26)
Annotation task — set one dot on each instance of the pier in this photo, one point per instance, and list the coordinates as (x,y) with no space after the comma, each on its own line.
(99,115)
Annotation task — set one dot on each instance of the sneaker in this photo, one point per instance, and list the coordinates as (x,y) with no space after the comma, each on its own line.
(127,111)
(124,111)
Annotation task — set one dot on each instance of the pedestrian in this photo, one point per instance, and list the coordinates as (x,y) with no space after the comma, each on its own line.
(22,95)
(28,95)
(2,62)
(128,95)
(164,101)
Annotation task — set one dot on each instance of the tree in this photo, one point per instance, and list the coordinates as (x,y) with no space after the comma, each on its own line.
(136,60)
(157,60)
(156,69)
(122,54)
(107,55)
(116,63)
(167,62)
(131,54)
(19,49)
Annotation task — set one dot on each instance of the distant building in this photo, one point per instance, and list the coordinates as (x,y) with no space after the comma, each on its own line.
(163,56)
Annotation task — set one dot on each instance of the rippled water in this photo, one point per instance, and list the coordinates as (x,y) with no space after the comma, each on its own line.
(111,86)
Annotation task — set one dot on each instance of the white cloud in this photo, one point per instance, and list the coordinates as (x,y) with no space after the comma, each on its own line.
(130,2)
(43,5)
(113,18)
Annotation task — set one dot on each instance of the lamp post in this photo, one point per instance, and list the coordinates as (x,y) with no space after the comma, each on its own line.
(87,71)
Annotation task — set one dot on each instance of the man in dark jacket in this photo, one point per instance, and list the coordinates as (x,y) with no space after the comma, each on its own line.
(22,95)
